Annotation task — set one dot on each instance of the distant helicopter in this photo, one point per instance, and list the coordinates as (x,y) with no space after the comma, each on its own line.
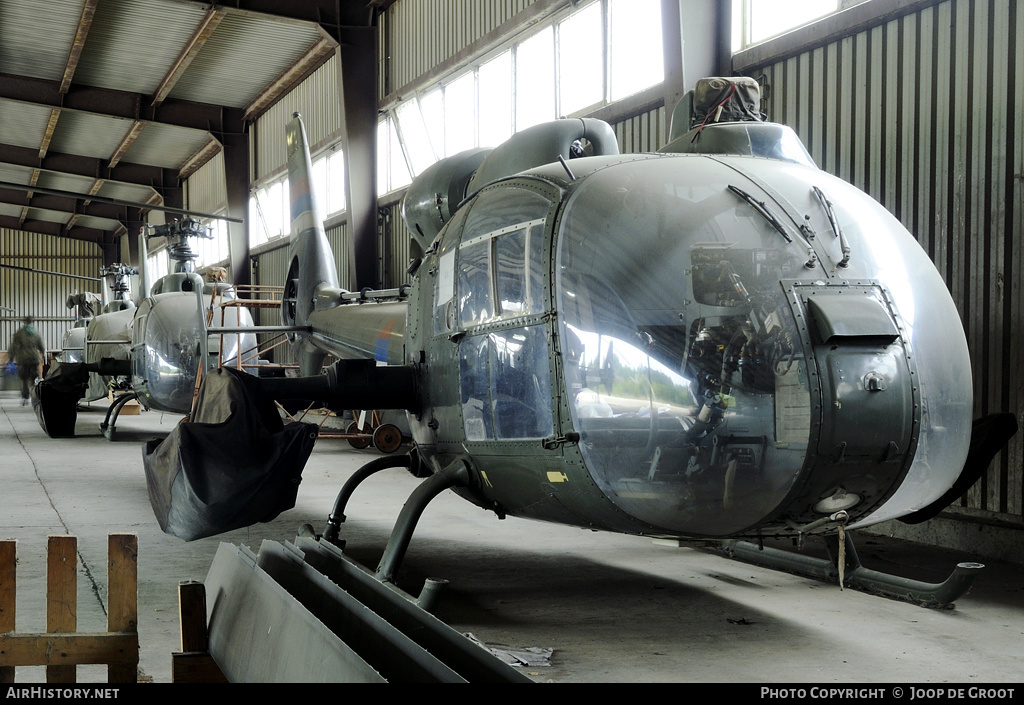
(717,341)
(160,346)
(107,319)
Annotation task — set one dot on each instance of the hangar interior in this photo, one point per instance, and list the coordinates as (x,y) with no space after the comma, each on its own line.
(118,114)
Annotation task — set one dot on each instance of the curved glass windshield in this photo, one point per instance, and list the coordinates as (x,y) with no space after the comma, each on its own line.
(688,382)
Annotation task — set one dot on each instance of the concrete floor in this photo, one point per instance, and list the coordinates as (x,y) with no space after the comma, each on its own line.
(612,608)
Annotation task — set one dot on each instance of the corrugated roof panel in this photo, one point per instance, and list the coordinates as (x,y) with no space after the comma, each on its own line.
(64,182)
(88,221)
(242,57)
(133,42)
(36,43)
(126,192)
(131,46)
(76,184)
(50,216)
(88,135)
(15,174)
(23,124)
(165,146)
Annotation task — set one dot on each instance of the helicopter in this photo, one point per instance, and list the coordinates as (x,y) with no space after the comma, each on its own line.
(159,346)
(717,341)
(105,318)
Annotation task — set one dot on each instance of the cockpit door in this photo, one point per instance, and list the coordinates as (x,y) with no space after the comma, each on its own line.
(499,316)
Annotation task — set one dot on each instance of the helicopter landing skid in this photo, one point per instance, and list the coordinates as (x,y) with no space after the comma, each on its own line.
(454,475)
(108,426)
(856,575)
(337,516)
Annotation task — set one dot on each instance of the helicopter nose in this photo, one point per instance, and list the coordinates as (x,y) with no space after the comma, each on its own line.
(866,406)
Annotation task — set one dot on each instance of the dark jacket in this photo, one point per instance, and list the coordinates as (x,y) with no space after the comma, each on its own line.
(27,349)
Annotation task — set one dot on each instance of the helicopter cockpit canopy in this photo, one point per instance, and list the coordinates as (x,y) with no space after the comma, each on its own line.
(680,346)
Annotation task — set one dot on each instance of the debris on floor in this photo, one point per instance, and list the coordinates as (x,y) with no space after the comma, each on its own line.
(516,656)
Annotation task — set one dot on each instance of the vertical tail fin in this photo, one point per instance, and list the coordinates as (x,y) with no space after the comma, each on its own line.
(311,266)
(145,276)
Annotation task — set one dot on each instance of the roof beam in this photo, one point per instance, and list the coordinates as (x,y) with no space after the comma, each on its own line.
(163,181)
(44,227)
(312,59)
(72,198)
(126,143)
(188,53)
(95,188)
(28,194)
(84,23)
(205,153)
(106,102)
(61,204)
(51,125)
(329,14)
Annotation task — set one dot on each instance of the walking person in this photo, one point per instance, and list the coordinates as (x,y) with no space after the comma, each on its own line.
(27,352)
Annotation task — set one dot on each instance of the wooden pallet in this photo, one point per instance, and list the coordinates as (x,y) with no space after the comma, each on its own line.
(61,648)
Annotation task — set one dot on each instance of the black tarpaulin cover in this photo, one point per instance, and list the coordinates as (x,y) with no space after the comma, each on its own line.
(55,399)
(235,464)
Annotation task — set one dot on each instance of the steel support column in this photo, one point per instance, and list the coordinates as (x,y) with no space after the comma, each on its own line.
(358,90)
(236,174)
(705,28)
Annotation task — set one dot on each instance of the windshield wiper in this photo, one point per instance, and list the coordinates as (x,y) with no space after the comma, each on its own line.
(834,222)
(763,210)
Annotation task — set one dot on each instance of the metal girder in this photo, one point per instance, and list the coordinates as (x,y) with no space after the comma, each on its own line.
(188,53)
(86,198)
(163,181)
(358,86)
(63,204)
(218,120)
(81,32)
(48,227)
(338,21)
(332,15)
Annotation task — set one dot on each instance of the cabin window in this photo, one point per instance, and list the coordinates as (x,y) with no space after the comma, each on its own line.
(506,385)
(500,270)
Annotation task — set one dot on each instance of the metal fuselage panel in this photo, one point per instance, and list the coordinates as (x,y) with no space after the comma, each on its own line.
(112,326)
(73,344)
(633,350)
(362,330)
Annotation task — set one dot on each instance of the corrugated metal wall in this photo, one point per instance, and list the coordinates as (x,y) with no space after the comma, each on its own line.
(317,99)
(926,113)
(416,36)
(396,246)
(42,295)
(642,133)
(422,36)
(206,189)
